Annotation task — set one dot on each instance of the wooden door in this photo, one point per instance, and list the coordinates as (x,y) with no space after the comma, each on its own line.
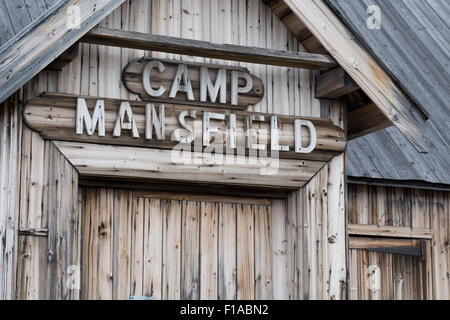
(178,246)
(387,269)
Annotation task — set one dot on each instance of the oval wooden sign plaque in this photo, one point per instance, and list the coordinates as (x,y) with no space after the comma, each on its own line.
(190,83)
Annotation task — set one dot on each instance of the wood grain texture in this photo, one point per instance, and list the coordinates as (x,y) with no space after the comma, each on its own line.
(142,41)
(53,115)
(334,84)
(406,213)
(201,249)
(36,49)
(365,120)
(132,77)
(10,153)
(137,163)
(47,260)
(289,91)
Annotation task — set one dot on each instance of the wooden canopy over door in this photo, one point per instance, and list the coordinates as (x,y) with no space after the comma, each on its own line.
(178,246)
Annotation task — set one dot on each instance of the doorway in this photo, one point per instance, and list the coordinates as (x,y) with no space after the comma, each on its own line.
(164,245)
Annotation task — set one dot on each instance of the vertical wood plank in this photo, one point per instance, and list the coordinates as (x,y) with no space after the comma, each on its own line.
(122,248)
(105,244)
(172,250)
(227,252)
(245,252)
(263,254)
(208,250)
(190,254)
(279,247)
(154,222)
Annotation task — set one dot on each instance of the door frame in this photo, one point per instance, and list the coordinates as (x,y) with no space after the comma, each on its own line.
(395,240)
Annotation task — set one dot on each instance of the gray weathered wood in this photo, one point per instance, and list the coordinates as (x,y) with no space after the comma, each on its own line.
(141,164)
(65,58)
(363,69)
(34,50)
(53,115)
(334,84)
(155,79)
(365,120)
(137,40)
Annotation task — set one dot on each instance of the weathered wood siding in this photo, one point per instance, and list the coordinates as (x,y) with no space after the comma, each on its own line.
(97,70)
(309,244)
(400,276)
(172,246)
(49,201)
(413,208)
(10,131)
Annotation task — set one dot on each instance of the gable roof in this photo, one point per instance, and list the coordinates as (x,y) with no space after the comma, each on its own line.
(413,45)
(17,16)
(29,51)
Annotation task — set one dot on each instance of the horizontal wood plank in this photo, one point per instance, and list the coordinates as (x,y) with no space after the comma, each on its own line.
(93,160)
(53,115)
(151,42)
(369,242)
(389,231)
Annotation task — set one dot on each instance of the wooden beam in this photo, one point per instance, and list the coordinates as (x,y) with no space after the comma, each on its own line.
(37,48)
(152,42)
(372,242)
(363,69)
(65,58)
(365,120)
(334,84)
(388,231)
(140,164)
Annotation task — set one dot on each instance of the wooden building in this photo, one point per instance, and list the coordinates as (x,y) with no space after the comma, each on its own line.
(115,116)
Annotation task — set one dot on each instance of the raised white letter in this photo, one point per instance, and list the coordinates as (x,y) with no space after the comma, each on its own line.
(98,116)
(125,110)
(208,128)
(177,135)
(250,131)
(146,78)
(298,123)
(274,136)
(235,89)
(206,85)
(152,121)
(182,73)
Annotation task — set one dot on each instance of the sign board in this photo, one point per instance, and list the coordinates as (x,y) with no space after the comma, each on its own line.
(198,84)
(160,125)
